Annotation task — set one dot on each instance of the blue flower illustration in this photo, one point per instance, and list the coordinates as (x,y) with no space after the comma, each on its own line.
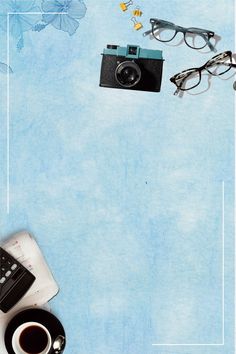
(65,14)
(24,15)
(4,68)
(18,22)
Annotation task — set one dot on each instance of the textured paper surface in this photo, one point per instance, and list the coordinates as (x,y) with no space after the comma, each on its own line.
(130,195)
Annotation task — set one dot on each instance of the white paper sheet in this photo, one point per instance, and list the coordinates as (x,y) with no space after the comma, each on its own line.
(24,248)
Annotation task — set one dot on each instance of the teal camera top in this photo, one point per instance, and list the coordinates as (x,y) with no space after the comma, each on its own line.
(133,51)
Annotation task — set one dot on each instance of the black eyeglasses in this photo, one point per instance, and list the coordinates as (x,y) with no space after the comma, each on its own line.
(189,79)
(196,38)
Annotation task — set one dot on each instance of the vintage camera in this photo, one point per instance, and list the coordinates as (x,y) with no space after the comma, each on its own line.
(132,68)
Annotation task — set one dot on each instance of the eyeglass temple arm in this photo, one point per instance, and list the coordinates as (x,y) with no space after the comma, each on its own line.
(151,30)
(210,45)
(158,25)
(176,91)
(228,64)
(147,33)
(178,88)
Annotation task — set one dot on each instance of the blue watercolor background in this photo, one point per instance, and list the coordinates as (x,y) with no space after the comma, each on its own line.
(123,190)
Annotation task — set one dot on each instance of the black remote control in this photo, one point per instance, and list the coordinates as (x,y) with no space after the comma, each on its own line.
(15,281)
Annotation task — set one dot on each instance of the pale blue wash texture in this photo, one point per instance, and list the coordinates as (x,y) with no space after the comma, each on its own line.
(125,191)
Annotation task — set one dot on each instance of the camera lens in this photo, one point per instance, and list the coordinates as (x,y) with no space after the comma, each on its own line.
(128,74)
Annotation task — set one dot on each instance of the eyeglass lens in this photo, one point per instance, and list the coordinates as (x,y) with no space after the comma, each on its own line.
(219,64)
(164,34)
(195,40)
(188,79)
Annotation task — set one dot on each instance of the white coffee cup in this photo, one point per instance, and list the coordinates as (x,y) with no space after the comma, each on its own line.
(21,332)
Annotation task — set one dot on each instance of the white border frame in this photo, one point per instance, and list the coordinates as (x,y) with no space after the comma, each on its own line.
(223,192)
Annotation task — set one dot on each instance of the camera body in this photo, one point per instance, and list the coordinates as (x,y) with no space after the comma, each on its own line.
(132,68)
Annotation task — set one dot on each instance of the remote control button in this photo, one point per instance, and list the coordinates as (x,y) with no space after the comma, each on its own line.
(2,280)
(3,258)
(14,266)
(3,269)
(8,273)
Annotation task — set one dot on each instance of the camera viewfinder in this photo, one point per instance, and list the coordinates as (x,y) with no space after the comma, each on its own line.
(133,50)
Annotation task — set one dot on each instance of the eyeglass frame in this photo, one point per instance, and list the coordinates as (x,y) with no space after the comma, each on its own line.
(200,69)
(158,23)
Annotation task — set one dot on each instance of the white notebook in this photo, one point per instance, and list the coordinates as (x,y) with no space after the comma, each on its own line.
(24,248)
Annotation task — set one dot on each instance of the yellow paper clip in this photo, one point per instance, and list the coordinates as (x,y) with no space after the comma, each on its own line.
(137,25)
(137,12)
(124,5)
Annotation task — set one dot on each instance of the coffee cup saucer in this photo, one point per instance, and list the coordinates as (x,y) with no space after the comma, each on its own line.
(41,316)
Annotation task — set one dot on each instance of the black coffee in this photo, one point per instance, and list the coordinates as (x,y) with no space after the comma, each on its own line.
(33,339)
